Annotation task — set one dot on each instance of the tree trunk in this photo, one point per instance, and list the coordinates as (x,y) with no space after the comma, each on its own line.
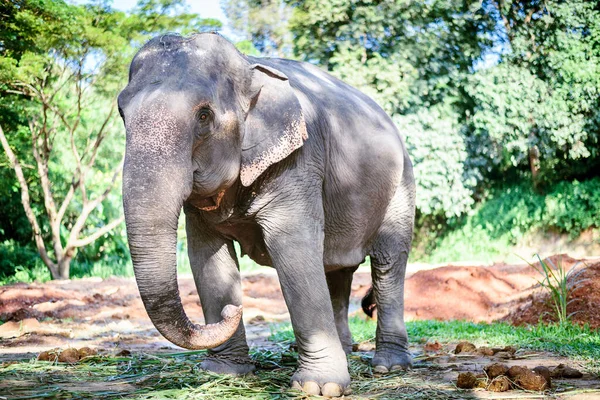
(64,267)
(534,161)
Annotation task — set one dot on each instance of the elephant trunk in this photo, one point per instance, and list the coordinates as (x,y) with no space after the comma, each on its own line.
(152,206)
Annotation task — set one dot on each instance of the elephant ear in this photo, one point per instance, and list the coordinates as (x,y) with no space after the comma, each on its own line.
(274,126)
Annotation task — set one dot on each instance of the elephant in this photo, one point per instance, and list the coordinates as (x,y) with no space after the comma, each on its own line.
(306,173)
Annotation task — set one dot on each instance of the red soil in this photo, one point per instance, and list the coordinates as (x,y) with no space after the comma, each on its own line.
(498,292)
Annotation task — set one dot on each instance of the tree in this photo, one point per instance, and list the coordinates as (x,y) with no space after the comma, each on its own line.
(413,58)
(539,108)
(264,23)
(61,66)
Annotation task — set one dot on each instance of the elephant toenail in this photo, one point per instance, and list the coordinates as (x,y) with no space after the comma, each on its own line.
(311,387)
(296,385)
(398,367)
(381,369)
(331,389)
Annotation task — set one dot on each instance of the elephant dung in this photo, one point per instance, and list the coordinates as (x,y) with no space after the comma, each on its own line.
(495,370)
(499,384)
(529,380)
(465,347)
(468,380)
(564,371)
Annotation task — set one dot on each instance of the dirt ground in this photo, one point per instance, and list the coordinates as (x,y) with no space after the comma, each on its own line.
(108,314)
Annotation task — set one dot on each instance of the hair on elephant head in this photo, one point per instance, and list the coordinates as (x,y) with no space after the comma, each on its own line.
(199,116)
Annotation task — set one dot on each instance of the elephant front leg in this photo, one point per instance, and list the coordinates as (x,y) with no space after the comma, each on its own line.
(216,273)
(296,250)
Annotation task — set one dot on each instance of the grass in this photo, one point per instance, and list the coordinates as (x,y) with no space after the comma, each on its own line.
(177,376)
(578,342)
(559,283)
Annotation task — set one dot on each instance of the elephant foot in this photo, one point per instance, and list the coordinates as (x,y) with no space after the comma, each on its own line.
(321,383)
(222,364)
(385,361)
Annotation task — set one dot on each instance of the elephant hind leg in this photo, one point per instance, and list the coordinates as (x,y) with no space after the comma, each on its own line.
(389,256)
(340,284)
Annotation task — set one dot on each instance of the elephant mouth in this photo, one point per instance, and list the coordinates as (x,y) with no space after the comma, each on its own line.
(207,203)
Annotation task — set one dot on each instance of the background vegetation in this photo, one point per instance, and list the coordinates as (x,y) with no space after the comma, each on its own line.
(497,99)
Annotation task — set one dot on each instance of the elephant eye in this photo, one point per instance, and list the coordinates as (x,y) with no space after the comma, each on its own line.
(203,114)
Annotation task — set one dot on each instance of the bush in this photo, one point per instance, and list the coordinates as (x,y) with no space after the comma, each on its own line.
(14,256)
(574,206)
(508,214)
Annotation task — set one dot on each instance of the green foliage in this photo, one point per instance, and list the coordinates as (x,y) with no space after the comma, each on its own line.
(61,68)
(438,154)
(494,99)
(543,97)
(572,207)
(409,53)
(517,113)
(559,283)
(16,260)
(510,213)
(263,24)
(247,47)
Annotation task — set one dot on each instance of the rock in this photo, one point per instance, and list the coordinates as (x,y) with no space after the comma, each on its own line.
(564,371)
(466,380)
(545,372)
(485,351)
(499,384)
(496,369)
(86,352)
(530,380)
(465,347)
(70,356)
(515,371)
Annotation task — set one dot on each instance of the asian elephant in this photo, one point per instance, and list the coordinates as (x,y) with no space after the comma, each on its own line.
(306,173)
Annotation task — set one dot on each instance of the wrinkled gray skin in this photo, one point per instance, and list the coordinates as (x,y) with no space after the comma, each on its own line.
(308,174)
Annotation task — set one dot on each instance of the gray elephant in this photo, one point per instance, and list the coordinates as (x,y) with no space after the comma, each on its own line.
(306,173)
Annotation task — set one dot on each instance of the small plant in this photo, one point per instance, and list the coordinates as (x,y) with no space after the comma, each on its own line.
(559,283)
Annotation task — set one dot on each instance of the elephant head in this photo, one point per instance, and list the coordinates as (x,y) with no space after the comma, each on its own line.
(199,118)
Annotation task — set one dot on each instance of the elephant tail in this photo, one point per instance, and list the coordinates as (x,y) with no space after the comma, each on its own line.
(368,303)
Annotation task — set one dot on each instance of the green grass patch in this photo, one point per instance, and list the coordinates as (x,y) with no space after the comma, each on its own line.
(569,340)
